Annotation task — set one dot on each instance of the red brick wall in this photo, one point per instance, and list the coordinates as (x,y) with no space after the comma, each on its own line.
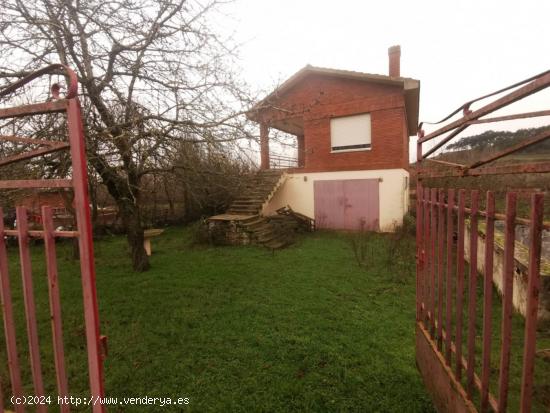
(317,99)
(35,201)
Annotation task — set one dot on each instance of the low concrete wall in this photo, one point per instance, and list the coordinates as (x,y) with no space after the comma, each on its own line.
(297,191)
(447,393)
(520,272)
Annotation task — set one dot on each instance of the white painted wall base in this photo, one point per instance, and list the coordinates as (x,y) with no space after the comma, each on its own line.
(297,191)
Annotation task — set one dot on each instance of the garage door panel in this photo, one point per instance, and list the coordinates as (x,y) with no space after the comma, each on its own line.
(362,204)
(329,204)
(351,204)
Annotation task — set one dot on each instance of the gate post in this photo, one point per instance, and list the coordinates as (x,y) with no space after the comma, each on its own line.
(86,248)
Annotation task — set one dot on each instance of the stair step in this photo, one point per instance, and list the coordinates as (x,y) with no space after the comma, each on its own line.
(261,226)
(251,218)
(246,203)
(245,206)
(241,212)
(265,234)
(253,224)
(244,209)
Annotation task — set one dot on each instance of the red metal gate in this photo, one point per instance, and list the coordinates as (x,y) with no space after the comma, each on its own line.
(467,342)
(78,183)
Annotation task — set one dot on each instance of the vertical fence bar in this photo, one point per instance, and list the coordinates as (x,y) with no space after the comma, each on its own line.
(85,244)
(55,306)
(30,308)
(427,264)
(9,322)
(533,287)
(449,277)
(419,257)
(433,257)
(472,293)
(440,256)
(459,283)
(1,399)
(507,303)
(487,299)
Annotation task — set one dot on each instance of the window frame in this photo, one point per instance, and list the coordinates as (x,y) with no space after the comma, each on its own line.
(351,148)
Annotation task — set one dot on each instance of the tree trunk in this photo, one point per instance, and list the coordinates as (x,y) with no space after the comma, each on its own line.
(93,200)
(131,217)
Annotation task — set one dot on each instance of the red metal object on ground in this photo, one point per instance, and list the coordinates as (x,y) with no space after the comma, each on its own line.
(440,356)
(68,106)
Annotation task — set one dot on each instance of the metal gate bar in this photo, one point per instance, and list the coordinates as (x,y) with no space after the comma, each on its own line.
(428,284)
(442,331)
(69,106)
(55,305)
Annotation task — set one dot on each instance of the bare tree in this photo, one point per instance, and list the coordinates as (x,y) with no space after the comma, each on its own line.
(153,74)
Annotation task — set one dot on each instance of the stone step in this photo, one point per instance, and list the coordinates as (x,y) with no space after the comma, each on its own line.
(249,199)
(251,218)
(265,235)
(245,204)
(259,189)
(243,213)
(240,212)
(259,226)
(252,225)
(260,194)
(245,207)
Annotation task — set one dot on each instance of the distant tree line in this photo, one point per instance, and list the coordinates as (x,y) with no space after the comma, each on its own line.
(494,141)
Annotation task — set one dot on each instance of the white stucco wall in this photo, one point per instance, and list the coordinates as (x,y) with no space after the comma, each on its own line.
(297,191)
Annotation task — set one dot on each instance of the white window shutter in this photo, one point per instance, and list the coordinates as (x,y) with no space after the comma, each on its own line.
(350,133)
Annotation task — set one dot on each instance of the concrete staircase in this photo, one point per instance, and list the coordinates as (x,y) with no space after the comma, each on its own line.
(257,193)
(243,222)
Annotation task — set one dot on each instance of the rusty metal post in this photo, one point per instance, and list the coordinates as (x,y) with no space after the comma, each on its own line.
(85,244)
(472,292)
(487,299)
(460,283)
(449,277)
(419,251)
(55,306)
(8,319)
(533,288)
(507,300)
(30,307)
(440,255)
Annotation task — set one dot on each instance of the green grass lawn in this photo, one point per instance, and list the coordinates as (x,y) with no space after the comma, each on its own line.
(239,329)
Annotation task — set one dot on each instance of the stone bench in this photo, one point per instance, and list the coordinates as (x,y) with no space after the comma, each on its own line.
(147,235)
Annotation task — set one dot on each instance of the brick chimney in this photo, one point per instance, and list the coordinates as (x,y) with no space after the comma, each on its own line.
(394,54)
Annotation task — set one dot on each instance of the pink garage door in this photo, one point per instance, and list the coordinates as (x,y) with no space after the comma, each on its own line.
(347,204)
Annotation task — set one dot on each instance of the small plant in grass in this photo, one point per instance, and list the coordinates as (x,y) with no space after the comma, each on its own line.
(398,247)
(400,250)
(362,246)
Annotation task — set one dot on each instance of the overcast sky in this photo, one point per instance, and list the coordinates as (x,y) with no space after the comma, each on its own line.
(457,49)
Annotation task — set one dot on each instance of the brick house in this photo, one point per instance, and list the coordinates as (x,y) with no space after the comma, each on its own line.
(352,135)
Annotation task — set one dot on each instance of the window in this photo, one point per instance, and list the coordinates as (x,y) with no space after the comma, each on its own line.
(350,133)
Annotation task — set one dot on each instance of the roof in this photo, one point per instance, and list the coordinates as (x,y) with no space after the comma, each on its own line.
(410,86)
